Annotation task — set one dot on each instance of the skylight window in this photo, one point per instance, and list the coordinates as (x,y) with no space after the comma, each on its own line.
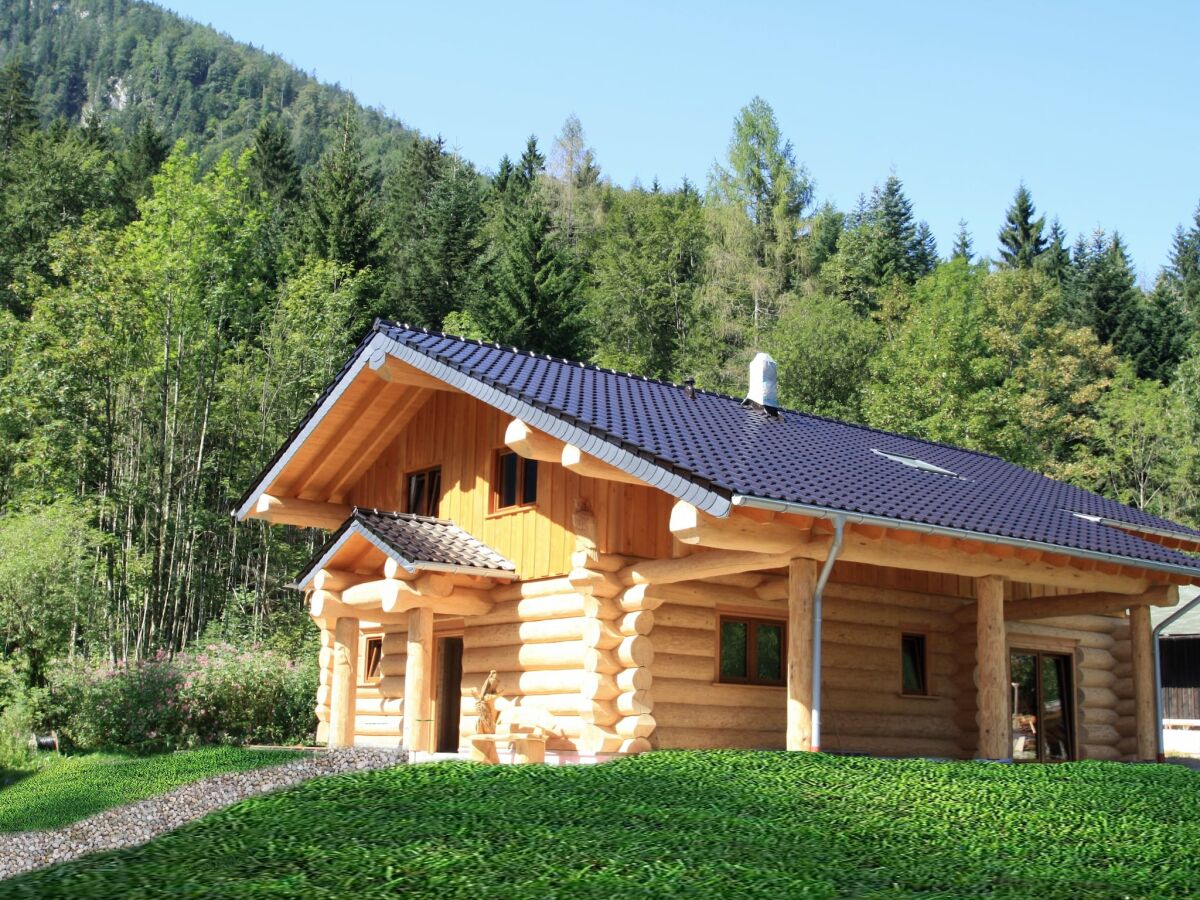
(913,463)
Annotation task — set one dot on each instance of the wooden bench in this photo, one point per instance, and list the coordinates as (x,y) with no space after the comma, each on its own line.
(525,728)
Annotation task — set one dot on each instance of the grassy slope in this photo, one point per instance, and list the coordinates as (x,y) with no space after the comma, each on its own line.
(681,824)
(67,788)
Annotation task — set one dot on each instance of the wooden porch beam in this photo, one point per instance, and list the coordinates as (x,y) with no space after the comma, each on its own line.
(303,513)
(718,562)
(325,607)
(337,580)
(434,591)
(901,553)
(1095,603)
(691,526)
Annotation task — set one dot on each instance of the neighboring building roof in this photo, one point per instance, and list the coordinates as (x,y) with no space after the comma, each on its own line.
(415,542)
(1187,624)
(714,451)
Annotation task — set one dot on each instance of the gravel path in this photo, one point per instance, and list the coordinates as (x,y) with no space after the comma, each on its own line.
(128,826)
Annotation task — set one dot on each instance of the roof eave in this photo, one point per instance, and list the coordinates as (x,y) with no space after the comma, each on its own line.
(362,355)
(859,518)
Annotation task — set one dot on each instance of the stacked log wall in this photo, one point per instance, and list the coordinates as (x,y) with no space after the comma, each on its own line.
(862,710)
(379,705)
(533,639)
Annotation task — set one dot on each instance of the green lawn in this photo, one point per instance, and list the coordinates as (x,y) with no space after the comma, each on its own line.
(65,788)
(718,824)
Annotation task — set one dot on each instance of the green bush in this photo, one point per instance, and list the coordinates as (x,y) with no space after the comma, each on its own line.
(256,696)
(16,726)
(220,695)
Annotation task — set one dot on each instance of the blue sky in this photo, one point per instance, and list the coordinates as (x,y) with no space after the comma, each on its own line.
(1093,105)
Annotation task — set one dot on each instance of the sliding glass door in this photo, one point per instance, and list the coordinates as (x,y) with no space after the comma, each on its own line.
(1043,714)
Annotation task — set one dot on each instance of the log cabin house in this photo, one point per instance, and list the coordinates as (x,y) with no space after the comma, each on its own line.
(648,565)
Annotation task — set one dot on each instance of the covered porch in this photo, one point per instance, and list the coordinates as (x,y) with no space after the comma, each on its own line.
(1020,603)
(412,573)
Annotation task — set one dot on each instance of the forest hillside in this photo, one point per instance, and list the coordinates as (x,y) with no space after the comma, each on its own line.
(193,236)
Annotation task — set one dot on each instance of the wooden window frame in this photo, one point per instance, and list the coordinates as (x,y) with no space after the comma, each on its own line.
(1039,649)
(522,464)
(752,623)
(437,501)
(923,638)
(367,677)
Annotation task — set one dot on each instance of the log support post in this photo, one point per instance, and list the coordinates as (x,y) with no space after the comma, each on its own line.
(345,679)
(802,583)
(1141,637)
(991,656)
(418,680)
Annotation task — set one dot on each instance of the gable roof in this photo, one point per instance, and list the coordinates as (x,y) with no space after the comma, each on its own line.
(416,543)
(711,450)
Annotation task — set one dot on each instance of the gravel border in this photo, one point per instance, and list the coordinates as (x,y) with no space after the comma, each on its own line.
(137,823)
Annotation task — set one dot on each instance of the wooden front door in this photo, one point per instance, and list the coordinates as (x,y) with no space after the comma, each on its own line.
(1043,707)
(449,693)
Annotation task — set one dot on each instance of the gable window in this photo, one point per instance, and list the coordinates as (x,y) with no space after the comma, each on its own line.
(515,481)
(752,651)
(374,655)
(914,678)
(423,492)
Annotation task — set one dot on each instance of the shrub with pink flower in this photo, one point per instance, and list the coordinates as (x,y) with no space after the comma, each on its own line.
(221,694)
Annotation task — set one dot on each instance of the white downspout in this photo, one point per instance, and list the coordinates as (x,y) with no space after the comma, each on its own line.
(1160,740)
(839,530)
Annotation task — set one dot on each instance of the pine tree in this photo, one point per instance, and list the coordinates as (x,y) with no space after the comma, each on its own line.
(883,245)
(1021,240)
(645,271)
(17,111)
(963,245)
(342,222)
(273,167)
(1106,298)
(141,160)
(1182,273)
(529,273)
(1055,261)
(925,255)
(433,212)
(531,164)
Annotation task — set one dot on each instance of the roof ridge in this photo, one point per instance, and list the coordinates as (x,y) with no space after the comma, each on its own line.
(517,351)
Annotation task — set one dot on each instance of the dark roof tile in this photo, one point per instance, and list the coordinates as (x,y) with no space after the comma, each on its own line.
(731,449)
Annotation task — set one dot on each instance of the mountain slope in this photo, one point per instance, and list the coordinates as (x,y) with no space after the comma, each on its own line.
(126,60)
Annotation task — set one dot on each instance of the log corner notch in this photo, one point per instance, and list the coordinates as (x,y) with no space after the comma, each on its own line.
(530,443)
(302,513)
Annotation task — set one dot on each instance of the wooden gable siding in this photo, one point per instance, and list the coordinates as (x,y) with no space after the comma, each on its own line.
(462,435)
